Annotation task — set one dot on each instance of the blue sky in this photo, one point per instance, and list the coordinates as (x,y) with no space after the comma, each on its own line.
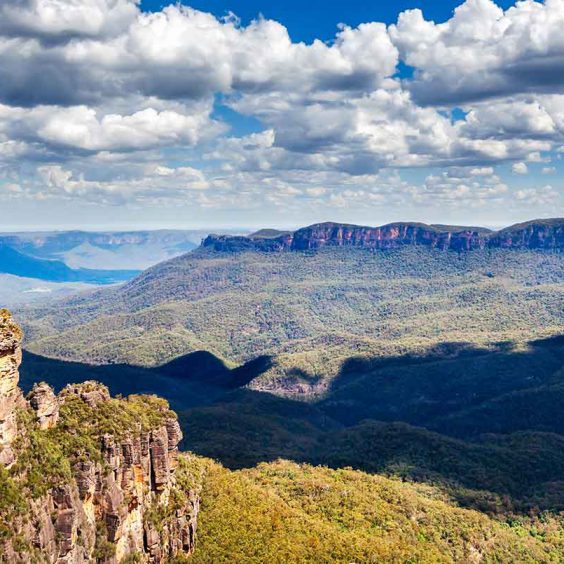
(317,19)
(115,114)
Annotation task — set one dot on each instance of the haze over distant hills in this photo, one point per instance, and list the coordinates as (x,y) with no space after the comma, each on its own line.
(35,266)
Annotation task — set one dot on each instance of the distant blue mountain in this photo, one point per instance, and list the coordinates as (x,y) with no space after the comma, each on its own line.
(19,264)
(70,261)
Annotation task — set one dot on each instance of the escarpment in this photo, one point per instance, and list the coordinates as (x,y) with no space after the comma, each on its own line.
(385,237)
(547,234)
(86,477)
(541,234)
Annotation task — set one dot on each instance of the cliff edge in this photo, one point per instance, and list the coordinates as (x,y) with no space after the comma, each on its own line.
(85,477)
(537,234)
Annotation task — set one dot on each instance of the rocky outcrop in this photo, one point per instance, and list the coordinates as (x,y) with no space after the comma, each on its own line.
(542,234)
(119,496)
(90,392)
(11,397)
(45,403)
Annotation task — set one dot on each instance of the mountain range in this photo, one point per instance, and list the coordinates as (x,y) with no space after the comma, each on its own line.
(535,234)
(311,309)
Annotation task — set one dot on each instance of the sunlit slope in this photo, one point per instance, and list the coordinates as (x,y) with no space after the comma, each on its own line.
(311,310)
(285,512)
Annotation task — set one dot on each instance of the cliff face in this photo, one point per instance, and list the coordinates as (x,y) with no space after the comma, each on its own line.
(534,235)
(88,478)
(385,237)
(10,395)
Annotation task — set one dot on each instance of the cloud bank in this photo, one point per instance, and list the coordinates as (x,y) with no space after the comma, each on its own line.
(103,102)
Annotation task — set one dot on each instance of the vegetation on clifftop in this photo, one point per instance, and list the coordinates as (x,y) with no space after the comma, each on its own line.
(45,457)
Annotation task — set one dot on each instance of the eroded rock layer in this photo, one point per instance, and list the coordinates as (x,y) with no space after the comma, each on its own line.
(87,478)
(542,234)
(10,395)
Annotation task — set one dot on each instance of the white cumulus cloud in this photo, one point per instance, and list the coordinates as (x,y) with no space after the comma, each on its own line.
(519,168)
(100,100)
(483,51)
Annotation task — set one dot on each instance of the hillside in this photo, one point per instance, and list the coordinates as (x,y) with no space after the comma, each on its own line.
(309,309)
(285,512)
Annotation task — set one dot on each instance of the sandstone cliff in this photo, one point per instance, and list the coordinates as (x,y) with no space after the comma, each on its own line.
(547,234)
(541,234)
(10,395)
(87,478)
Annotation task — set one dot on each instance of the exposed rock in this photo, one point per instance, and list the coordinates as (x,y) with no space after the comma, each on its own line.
(90,391)
(69,520)
(114,504)
(160,462)
(174,433)
(541,234)
(10,395)
(548,234)
(46,405)
(86,479)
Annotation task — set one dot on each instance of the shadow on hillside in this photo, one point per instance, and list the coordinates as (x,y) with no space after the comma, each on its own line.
(445,417)
(202,367)
(355,366)
(193,379)
(452,387)
(120,378)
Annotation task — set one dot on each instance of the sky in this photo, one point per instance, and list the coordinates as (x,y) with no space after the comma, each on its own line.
(118,114)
